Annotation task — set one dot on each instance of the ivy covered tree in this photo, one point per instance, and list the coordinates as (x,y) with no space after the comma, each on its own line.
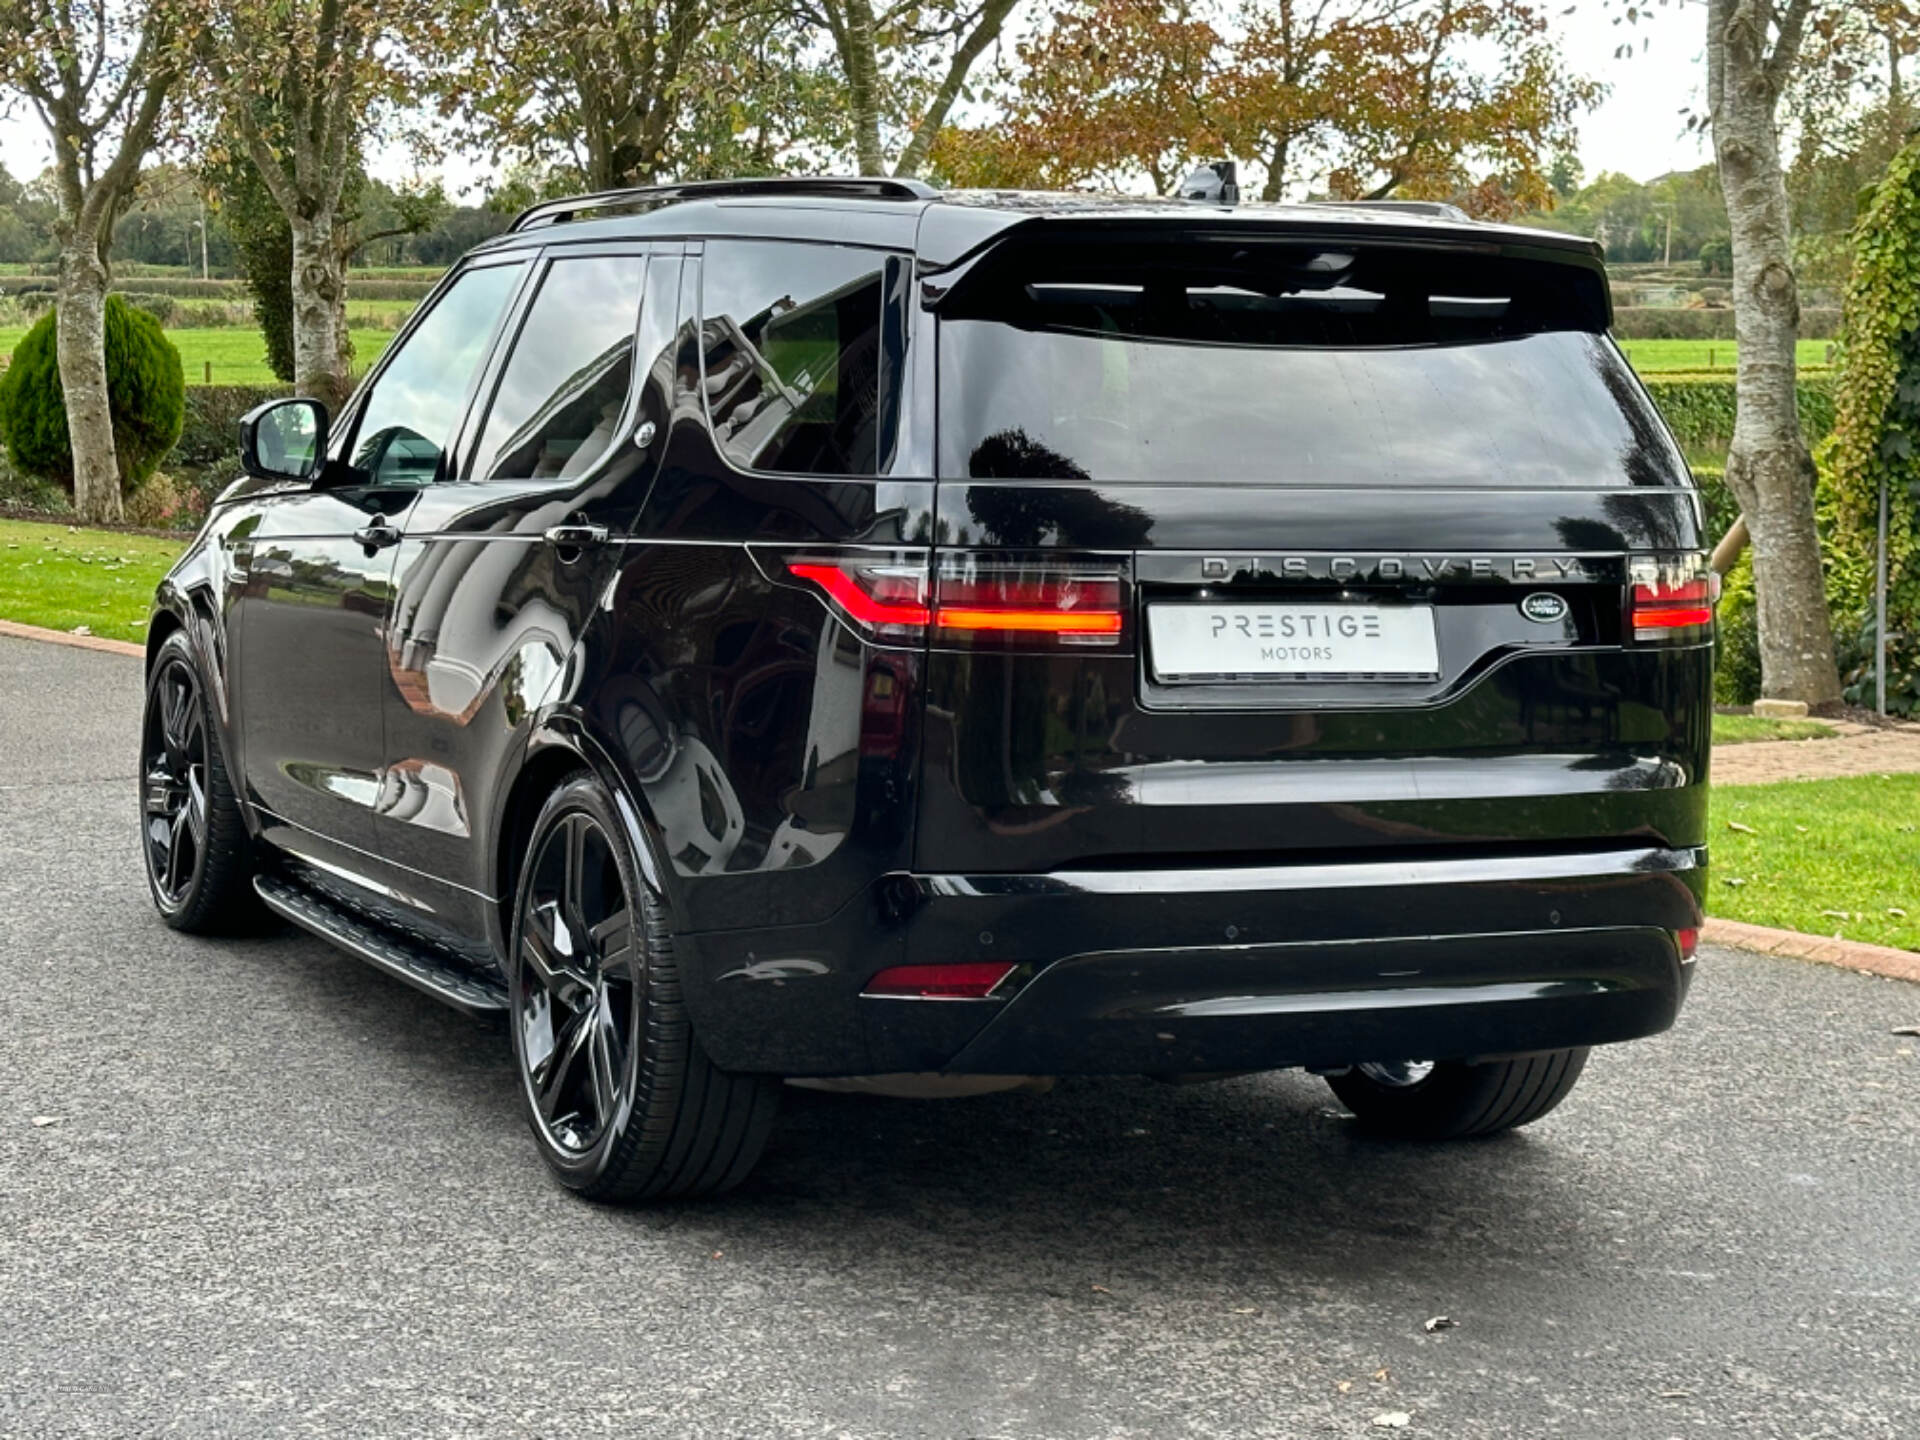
(264,241)
(1877,432)
(302,84)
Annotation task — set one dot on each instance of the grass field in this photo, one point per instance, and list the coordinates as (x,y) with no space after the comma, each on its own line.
(59,577)
(1739,729)
(1658,357)
(238,356)
(1826,857)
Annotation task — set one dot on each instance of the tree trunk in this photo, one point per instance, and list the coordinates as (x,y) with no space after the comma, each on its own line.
(1769,469)
(862,62)
(81,347)
(319,314)
(1277,164)
(993,17)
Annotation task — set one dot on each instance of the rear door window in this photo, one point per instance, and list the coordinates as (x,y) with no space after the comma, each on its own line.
(791,354)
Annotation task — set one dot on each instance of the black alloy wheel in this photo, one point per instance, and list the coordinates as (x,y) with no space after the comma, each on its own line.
(193,837)
(174,782)
(578,1007)
(623,1102)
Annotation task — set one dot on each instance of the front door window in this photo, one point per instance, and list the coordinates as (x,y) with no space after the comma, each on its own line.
(409,418)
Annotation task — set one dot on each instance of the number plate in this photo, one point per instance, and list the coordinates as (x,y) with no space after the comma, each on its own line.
(1242,642)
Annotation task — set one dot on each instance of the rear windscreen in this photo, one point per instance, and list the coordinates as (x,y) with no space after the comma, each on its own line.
(1296,365)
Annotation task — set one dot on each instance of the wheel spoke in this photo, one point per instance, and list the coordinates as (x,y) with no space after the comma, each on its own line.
(573,895)
(612,942)
(605,1060)
(196,809)
(174,847)
(571,1043)
(173,716)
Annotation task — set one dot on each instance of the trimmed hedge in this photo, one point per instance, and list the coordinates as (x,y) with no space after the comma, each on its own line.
(211,433)
(1700,410)
(1659,322)
(232,291)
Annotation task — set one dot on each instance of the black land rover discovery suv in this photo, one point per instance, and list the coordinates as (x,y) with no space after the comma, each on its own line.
(835,628)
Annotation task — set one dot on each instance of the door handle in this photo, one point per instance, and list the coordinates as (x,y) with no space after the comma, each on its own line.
(377,536)
(576,537)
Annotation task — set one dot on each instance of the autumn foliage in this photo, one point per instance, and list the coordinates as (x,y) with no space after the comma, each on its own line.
(1462,100)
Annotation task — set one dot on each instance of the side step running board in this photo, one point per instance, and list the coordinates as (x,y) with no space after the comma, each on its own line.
(419,968)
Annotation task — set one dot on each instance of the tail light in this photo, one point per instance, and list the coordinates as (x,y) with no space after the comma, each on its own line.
(1672,599)
(1688,942)
(960,980)
(983,602)
(976,602)
(886,599)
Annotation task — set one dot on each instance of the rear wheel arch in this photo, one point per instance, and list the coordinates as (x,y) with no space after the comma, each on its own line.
(556,752)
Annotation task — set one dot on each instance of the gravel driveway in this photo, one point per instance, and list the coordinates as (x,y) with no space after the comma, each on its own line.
(287,1195)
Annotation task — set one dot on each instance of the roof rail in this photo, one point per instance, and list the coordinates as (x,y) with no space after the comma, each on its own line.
(870,187)
(1438,209)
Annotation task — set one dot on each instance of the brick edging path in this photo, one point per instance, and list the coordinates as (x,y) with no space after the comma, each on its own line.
(15,630)
(1848,954)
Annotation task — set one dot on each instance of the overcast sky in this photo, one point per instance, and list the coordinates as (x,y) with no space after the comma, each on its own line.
(1638,129)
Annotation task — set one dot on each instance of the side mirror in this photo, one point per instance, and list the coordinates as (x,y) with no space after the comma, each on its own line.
(284,440)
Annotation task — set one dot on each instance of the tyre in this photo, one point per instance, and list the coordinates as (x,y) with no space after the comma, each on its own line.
(1452,1100)
(623,1102)
(199,858)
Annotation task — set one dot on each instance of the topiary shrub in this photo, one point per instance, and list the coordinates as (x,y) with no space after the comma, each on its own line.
(146,396)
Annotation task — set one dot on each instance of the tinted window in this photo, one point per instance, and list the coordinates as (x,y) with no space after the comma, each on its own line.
(566,382)
(791,341)
(409,418)
(1545,410)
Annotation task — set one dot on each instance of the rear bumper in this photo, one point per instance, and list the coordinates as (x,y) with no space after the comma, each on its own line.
(1196,970)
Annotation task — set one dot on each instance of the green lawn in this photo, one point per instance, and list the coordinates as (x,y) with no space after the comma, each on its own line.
(1656,357)
(59,577)
(1821,856)
(1738,729)
(236,355)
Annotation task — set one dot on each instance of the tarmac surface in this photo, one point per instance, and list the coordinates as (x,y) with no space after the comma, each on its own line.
(281,1193)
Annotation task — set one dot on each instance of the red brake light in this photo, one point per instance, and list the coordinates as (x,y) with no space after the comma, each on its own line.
(1672,599)
(1689,942)
(959,980)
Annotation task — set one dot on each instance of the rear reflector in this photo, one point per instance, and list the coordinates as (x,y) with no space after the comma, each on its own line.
(960,980)
(1672,599)
(1689,942)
